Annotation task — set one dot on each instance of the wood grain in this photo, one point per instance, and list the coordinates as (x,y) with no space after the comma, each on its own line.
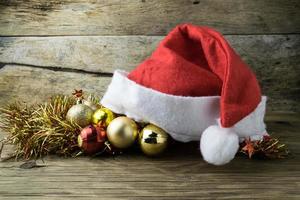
(107,53)
(90,53)
(274,58)
(179,174)
(146,17)
(37,85)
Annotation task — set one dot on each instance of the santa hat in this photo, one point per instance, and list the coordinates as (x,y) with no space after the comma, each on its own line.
(195,87)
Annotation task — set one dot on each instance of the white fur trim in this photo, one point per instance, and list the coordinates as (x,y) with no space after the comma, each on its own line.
(219,145)
(184,118)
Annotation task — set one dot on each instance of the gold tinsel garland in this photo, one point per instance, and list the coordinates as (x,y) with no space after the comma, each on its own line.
(267,147)
(43,129)
(40,129)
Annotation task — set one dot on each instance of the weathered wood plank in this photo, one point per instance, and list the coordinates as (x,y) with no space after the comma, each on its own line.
(146,17)
(37,85)
(107,53)
(91,53)
(179,174)
(274,58)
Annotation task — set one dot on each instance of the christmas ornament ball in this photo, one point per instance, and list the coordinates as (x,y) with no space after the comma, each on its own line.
(153,140)
(91,139)
(122,132)
(103,114)
(80,114)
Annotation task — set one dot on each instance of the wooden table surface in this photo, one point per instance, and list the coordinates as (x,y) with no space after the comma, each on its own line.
(179,174)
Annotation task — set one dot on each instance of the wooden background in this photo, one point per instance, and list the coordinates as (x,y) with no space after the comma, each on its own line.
(54,46)
(49,46)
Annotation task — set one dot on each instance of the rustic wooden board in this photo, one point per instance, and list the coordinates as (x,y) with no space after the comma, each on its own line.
(146,17)
(89,53)
(107,53)
(179,174)
(37,85)
(274,58)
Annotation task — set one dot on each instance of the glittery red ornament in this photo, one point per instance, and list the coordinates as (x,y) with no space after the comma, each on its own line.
(92,139)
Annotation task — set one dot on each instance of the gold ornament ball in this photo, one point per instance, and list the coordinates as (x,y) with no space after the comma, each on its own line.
(153,140)
(103,114)
(122,132)
(80,114)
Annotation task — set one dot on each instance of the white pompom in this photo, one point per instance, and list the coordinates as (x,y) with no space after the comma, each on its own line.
(219,145)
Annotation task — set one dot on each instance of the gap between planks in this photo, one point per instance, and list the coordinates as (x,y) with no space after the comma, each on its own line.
(57,68)
(99,35)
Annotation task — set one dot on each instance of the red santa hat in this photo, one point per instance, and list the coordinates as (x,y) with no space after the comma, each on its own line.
(195,87)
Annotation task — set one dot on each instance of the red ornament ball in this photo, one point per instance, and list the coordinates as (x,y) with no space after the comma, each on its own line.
(91,139)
